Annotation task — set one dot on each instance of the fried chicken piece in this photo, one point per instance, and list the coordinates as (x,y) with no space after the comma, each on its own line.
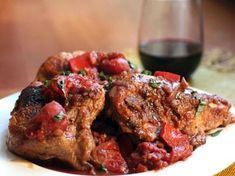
(55,64)
(44,127)
(141,103)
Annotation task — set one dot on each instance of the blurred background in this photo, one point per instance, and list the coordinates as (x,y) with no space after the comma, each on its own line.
(32,30)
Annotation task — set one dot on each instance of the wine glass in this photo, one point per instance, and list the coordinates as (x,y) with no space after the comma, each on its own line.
(171,35)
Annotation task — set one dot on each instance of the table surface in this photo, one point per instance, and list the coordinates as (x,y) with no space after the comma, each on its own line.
(30,31)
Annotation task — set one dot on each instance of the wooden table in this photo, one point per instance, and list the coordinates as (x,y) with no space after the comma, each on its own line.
(32,30)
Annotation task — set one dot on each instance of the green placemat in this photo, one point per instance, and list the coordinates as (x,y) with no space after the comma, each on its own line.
(220,83)
(216,74)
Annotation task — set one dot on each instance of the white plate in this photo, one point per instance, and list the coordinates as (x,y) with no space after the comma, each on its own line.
(208,159)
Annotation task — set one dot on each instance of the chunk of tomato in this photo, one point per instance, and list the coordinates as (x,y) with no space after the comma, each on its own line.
(114,66)
(109,156)
(80,62)
(51,117)
(179,142)
(74,83)
(172,136)
(180,152)
(168,76)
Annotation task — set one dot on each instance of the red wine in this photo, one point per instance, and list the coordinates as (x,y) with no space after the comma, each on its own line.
(173,55)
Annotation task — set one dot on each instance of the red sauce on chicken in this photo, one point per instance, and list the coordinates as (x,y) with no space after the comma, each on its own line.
(140,124)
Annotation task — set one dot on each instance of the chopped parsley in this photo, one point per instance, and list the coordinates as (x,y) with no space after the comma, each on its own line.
(216,133)
(66,73)
(153,83)
(102,76)
(110,79)
(47,82)
(109,84)
(200,107)
(82,72)
(59,116)
(102,168)
(132,65)
(146,72)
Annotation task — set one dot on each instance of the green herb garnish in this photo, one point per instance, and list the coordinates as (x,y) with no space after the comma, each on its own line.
(82,72)
(102,168)
(108,85)
(66,73)
(216,133)
(200,107)
(146,72)
(110,79)
(59,116)
(102,76)
(47,82)
(132,65)
(153,83)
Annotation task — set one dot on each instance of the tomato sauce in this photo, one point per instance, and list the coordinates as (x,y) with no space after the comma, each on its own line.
(116,154)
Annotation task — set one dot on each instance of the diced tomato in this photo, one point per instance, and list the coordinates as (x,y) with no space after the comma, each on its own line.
(51,117)
(110,63)
(148,156)
(109,156)
(78,84)
(172,136)
(114,66)
(180,153)
(74,83)
(179,142)
(81,62)
(150,148)
(92,72)
(115,55)
(168,76)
